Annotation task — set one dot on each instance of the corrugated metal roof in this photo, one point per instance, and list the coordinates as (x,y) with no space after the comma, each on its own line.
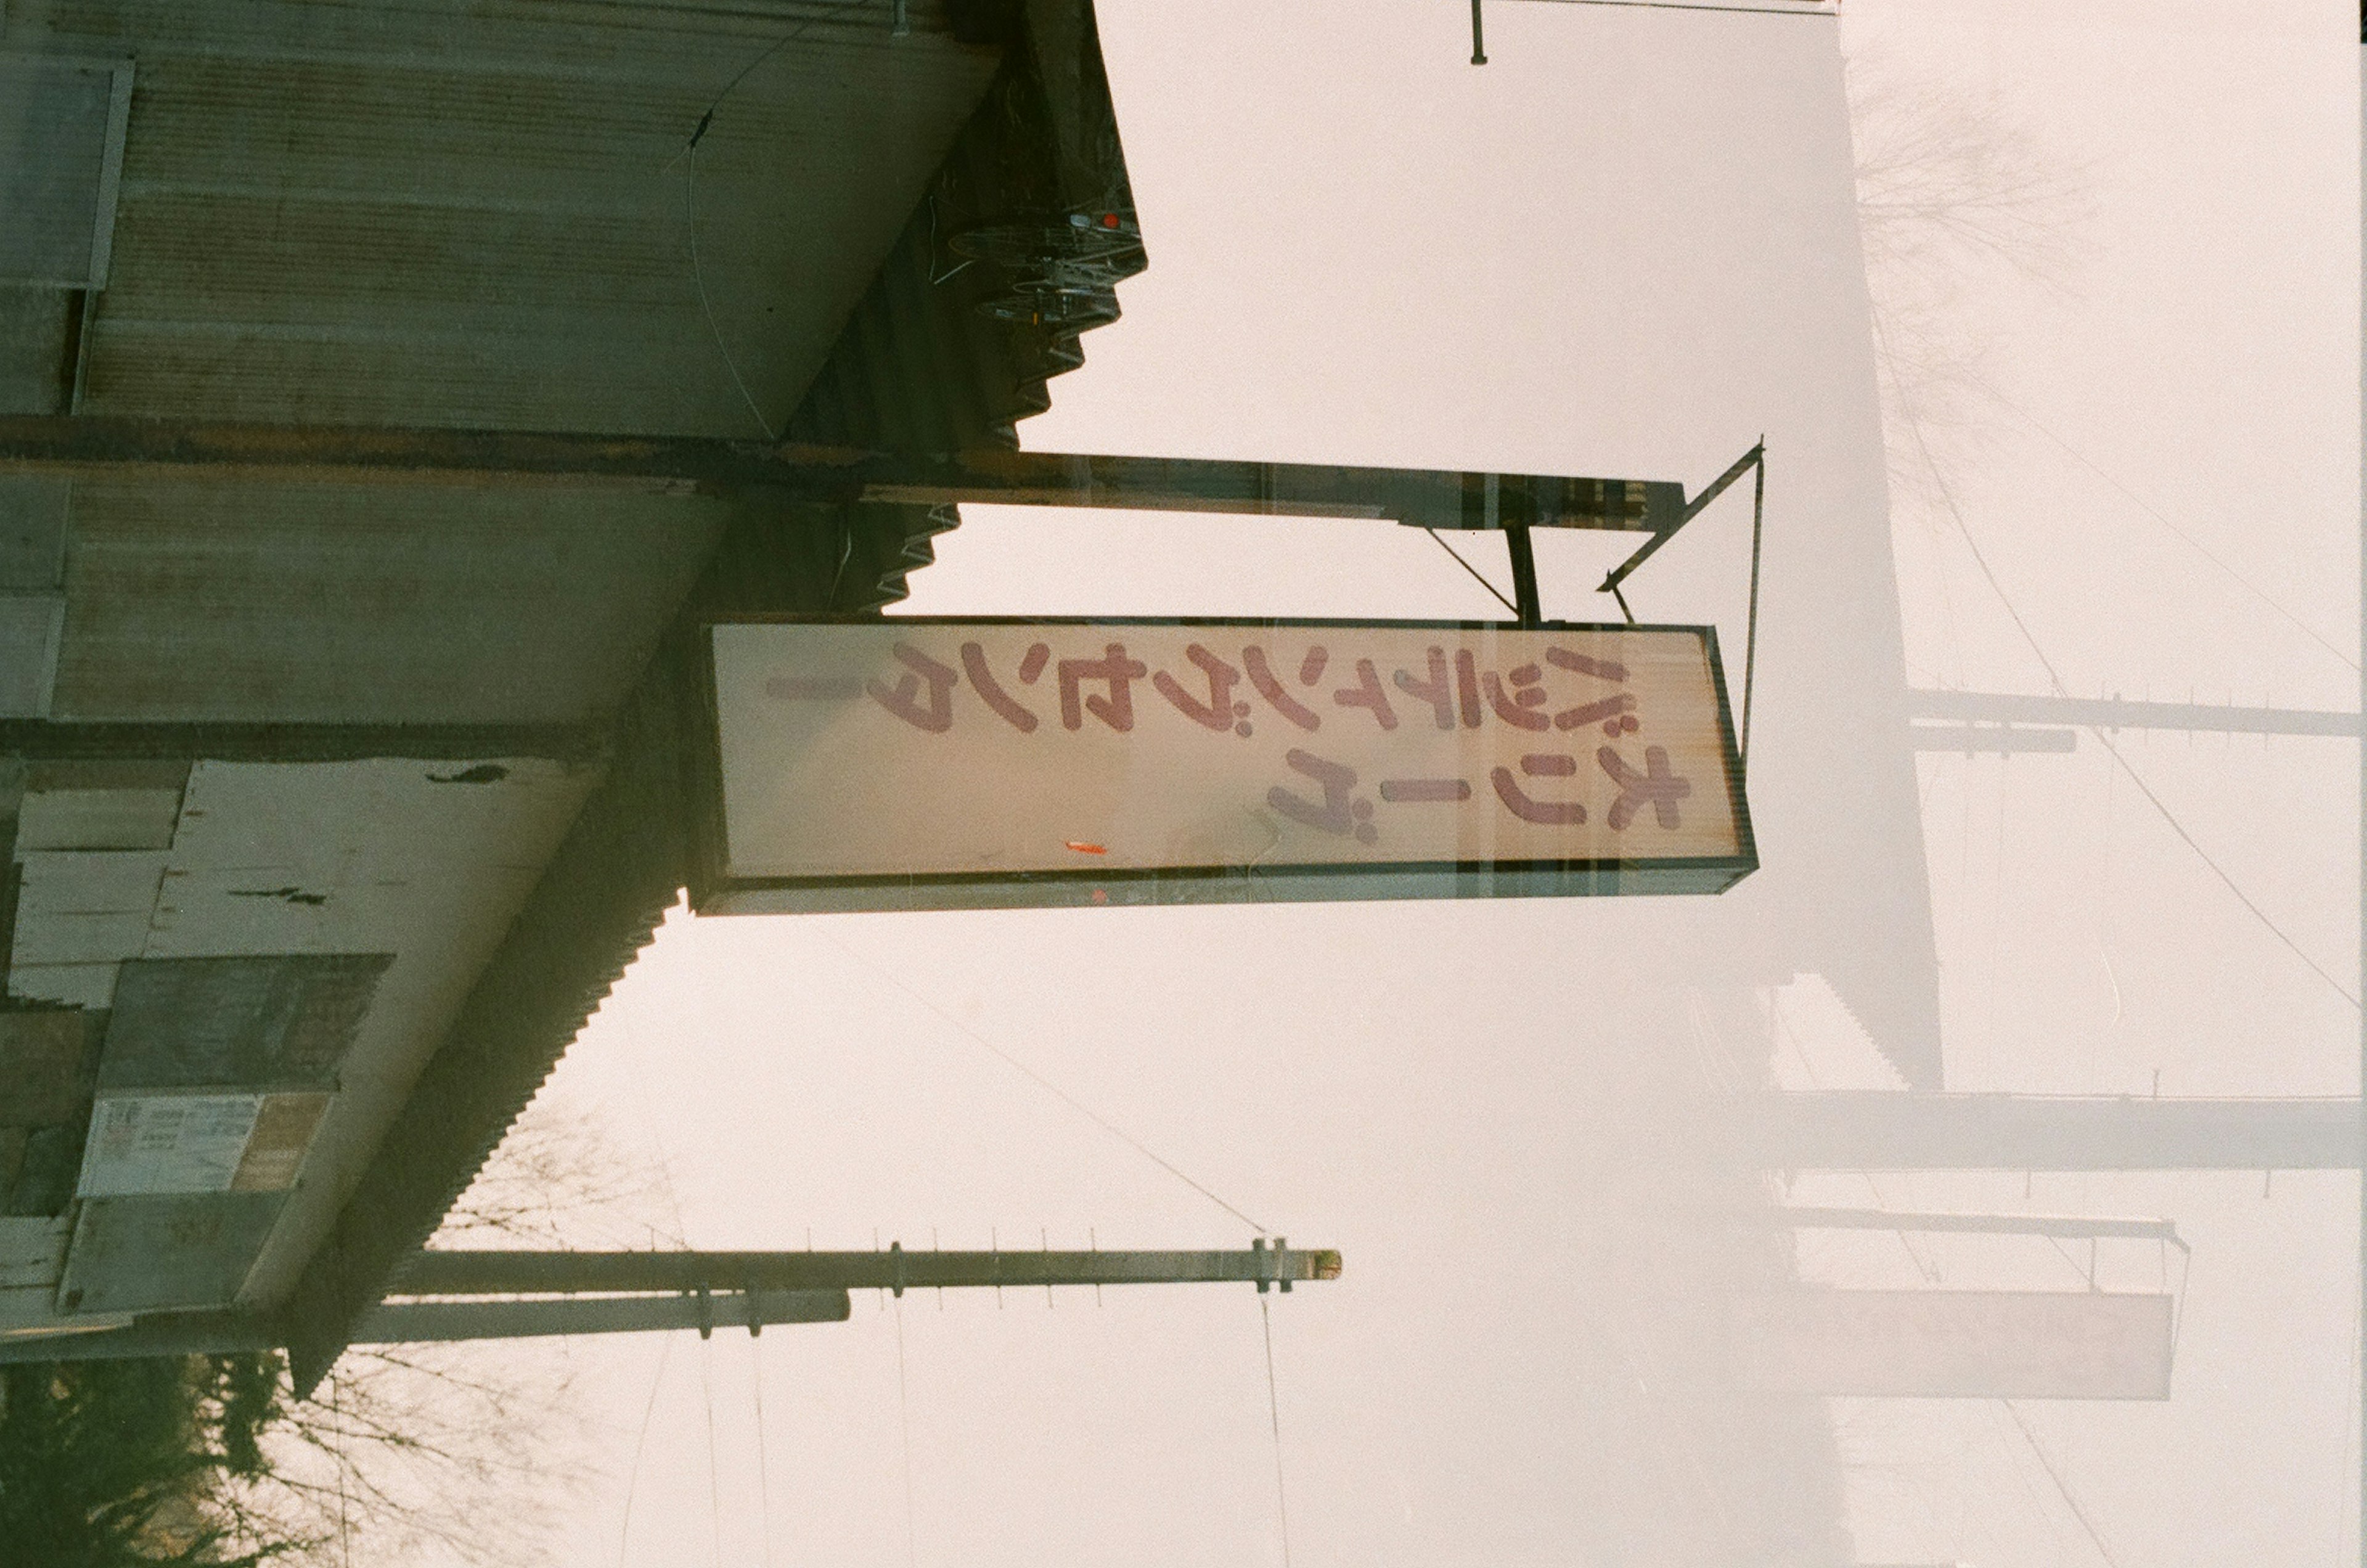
(483,214)
(916,365)
(920,367)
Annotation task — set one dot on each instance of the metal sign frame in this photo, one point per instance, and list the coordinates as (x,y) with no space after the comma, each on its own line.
(715,891)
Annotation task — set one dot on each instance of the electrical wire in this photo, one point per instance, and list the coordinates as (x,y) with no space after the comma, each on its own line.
(1015,1065)
(714,1486)
(764,1482)
(633,1474)
(1474,570)
(904,1417)
(2105,739)
(336,1418)
(2192,543)
(699,275)
(690,188)
(1274,1418)
(2061,1486)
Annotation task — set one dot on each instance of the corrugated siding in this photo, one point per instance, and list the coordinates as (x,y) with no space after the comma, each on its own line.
(368,603)
(481,214)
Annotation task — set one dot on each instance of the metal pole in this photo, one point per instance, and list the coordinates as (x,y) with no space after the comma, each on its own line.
(2360,1516)
(2112,712)
(2069,1225)
(829,475)
(1998,739)
(1528,604)
(410,1322)
(1878,1130)
(414,1323)
(461,1273)
(1479,48)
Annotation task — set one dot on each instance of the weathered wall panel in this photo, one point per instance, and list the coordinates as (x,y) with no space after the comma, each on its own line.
(164,1254)
(275,1022)
(367,604)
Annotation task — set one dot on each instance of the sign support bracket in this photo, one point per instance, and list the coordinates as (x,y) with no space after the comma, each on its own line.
(1754,463)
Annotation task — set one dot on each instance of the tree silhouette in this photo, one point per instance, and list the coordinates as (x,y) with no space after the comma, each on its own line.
(457,1452)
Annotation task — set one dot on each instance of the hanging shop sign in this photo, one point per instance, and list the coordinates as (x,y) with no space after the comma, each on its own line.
(927,763)
(1954,1344)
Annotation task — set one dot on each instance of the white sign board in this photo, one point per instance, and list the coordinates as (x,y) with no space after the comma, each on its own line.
(1954,1344)
(149,1145)
(926,762)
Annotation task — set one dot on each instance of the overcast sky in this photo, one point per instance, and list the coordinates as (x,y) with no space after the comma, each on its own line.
(1363,249)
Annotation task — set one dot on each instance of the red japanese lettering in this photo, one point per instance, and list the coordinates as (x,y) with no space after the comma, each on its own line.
(1435,689)
(1340,811)
(936,718)
(982,681)
(1608,670)
(1115,669)
(1367,694)
(1616,713)
(1219,712)
(1519,708)
(1545,813)
(1262,676)
(1655,787)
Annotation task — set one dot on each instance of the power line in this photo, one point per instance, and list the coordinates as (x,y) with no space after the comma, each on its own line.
(904,1418)
(1273,1417)
(763,1484)
(698,277)
(2054,1475)
(1015,1065)
(2196,545)
(2056,680)
(714,1486)
(633,1474)
(690,191)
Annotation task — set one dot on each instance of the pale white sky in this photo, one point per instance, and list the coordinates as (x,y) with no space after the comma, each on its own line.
(1613,250)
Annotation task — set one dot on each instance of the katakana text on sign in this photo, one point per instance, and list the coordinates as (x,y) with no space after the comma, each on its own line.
(952,748)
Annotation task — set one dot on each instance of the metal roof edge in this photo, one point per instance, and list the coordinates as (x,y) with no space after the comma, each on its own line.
(595,906)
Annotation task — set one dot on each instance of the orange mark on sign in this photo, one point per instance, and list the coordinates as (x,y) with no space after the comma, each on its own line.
(1084,849)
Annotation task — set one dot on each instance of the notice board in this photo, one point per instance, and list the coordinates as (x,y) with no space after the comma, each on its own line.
(949,763)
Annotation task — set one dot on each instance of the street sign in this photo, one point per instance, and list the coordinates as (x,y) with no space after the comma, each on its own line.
(943,762)
(1953,1343)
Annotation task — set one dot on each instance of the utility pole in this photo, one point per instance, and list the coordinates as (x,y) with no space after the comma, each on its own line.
(473,1273)
(2114,712)
(1891,1131)
(628,1292)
